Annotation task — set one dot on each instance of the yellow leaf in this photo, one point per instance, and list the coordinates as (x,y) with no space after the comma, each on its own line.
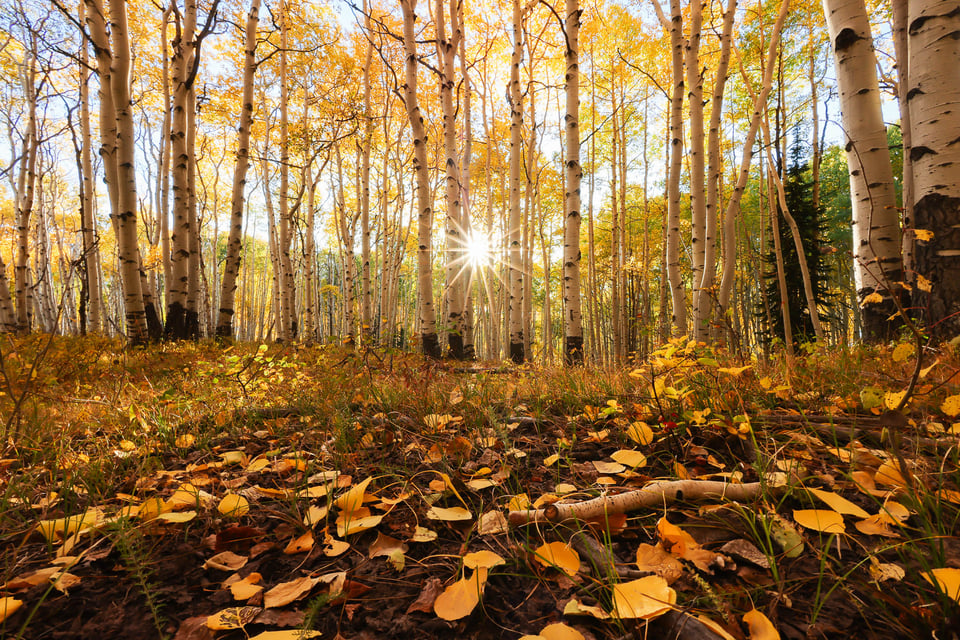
(947,580)
(560,631)
(8,607)
(674,539)
(333,547)
(839,503)
(352,499)
(300,544)
(286,634)
(151,508)
(873,298)
(315,515)
(819,520)
(550,460)
(461,598)
(519,502)
(951,406)
(232,618)
(890,474)
(482,559)
(233,457)
(760,626)
(422,534)
(923,284)
(233,506)
(923,235)
(558,555)
(185,440)
(876,526)
(630,458)
(645,598)
(186,496)
(286,592)
(451,514)
(246,588)
(903,351)
(734,371)
(177,517)
(357,522)
(892,399)
(640,432)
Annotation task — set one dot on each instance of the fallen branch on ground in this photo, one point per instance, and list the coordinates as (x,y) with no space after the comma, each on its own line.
(653,495)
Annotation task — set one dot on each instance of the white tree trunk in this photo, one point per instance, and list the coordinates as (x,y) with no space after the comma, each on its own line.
(572,316)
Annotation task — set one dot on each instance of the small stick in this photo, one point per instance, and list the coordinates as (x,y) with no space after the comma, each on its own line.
(653,495)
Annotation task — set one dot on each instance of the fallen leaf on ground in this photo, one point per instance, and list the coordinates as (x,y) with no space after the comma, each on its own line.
(461,598)
(839,503)
(232,618)
(233,506)
(225,561)
(451,514)
(8,607)
(645,598)
(286,592)
(946,579)
(427,597)
(819,520)
(760,626)
(558,555)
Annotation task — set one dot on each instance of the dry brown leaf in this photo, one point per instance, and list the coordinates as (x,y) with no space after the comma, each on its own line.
(492,523)
(225,561)
(427,597)
(655,560)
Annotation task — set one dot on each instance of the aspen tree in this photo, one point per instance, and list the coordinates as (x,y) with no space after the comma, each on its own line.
(231,263)
(366,295)
(698,195)
(876,228)
(287,329)
(572,317)
(88,225)
(934,101)
(469,348)
(899,10)
(514,222)
(447,48)
(677,289)
(26,185)
(429,342)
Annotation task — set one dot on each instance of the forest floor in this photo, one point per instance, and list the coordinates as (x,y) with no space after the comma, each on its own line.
(194,491)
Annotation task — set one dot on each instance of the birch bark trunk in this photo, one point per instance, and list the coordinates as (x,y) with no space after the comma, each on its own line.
(572,316)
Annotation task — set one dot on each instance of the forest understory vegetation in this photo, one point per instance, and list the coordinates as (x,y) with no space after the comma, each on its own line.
(193,490)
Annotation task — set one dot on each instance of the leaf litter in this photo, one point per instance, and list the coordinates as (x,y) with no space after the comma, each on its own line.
(396,525)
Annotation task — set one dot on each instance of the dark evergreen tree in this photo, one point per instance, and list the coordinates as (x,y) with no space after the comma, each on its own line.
(798,189)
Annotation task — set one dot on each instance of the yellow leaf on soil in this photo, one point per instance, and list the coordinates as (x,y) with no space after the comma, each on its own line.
(640,432)
(352,499)
(185,440)
(451,514)
(902,351)
(891,475)
(894,512)
(232,618)
(246,588)
(645,598)
(333,547)
(549,461)
(947,580)
(177,517)
(558,555)
(560,631)
(891,399)
(461,598)
(315,515)
(630,458)
(482,560)
(287,634)
(8,607)
(300,544)
(233,506)
(839,503)
(286,592)
(819,520)
(675,539)
(760,626)
(876,526)
(576,608)
(422,534)
(519,502)
(357,522)
(151,508)
(951,406)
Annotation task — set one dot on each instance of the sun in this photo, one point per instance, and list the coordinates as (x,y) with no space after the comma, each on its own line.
(478,252)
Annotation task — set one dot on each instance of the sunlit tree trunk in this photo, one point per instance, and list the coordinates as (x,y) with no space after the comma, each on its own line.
(900,9)
(26,184)
(934,101)
(616,302)
(447,48)
(514,223)
(184,52)
(427,314)
(705,288)
(572,319)
(231,265)
(366,292)
(88,225)
(677,290)
(698,195)
(876,226)
(288,321)
(466,225)
(126,214)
